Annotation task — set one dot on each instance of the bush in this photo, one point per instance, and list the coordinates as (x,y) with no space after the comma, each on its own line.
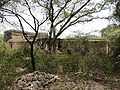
(100,64)
(51,63)
(73,63)
(10,59)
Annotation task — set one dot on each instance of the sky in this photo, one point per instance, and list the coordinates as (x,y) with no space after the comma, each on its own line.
(92,27)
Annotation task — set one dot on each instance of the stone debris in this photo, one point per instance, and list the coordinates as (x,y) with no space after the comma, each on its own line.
(34,81)
(43,81)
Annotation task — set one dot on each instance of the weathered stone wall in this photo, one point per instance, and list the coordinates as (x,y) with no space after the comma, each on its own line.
(15,38)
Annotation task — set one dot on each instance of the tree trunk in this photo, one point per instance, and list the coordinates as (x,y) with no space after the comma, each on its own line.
(54,45)
(54,40)
(49,41)
(49,45)
(32,57)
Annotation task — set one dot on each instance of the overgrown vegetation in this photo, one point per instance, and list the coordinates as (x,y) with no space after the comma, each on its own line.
(112,34)
(87,66)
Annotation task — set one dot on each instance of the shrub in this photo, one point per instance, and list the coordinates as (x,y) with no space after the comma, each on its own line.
(51,63)
(103,63)
(10,59)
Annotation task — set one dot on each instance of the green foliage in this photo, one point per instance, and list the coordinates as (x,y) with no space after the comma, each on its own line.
(73,63)
(52,63)
(3,2)
(66,14)
(103,63)
(10,59)
(111,32)
(116,13)
(8,67)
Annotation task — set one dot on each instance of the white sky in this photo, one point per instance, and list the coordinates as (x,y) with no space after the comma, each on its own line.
(94,27)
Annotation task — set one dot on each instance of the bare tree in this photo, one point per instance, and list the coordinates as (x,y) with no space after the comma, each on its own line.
(34,24)
(66,13)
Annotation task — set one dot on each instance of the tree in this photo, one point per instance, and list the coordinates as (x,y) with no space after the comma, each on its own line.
(111,32)
(3,2)
(66,13)
(34,25)
(116,13)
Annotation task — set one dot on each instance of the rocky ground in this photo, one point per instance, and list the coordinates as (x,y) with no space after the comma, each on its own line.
(43,81)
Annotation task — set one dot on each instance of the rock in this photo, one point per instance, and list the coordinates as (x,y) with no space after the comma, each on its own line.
(34,81)
(45,81)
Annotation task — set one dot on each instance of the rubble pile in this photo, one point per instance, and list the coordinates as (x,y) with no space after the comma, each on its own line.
(43,81)
(34,81)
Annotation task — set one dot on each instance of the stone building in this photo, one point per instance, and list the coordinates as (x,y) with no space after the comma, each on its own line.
(15,38)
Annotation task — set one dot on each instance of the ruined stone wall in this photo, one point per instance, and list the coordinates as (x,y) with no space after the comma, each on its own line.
(16,39)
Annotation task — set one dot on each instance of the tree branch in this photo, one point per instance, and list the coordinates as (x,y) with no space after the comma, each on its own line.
(61,9)
(72,15)
(35,25)
(24,34)
(10,11)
